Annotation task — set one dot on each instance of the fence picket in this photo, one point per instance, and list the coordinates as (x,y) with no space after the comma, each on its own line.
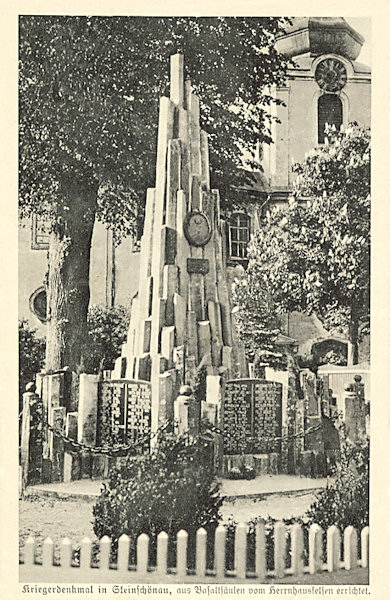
(298,546)
(365,546)
(66,553)
(85,553)
(162,553)
(142,554)
(47,553)
(261,553)
(181,559)
(279,548)
(201,546)
(333,548)
(240,550)
(123,552)
(105,549)
(220,551)
(350,548)
(297,549)
(315,548)
(29,551)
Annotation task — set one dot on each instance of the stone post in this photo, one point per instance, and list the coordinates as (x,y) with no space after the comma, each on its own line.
(28,396)
(354,414)
(87,418)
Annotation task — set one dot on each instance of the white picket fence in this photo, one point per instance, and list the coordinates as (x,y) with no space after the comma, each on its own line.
(142,572)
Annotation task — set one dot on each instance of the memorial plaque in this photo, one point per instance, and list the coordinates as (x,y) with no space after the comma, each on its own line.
(252,416)
(124,411)
(198,265)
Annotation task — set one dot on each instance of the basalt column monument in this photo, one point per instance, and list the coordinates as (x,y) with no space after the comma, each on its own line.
(181,317)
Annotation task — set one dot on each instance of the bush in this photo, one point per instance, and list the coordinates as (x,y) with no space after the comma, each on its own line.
(170,489)
(31,356)
(346,501)
(107,329)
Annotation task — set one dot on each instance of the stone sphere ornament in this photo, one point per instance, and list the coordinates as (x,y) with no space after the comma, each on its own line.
(197,228)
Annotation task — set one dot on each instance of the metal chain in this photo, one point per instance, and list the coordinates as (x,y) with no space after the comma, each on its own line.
(124,449)
(114,451)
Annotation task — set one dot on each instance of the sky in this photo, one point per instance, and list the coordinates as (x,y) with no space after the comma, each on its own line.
(363,26)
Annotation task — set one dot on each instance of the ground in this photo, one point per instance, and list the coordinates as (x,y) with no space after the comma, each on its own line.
(57,518)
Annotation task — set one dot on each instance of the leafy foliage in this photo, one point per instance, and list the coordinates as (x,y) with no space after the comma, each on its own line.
(315,256)
(107,329)
(170,489)
(256,325)
(31,355)
(89,89)
(346,501)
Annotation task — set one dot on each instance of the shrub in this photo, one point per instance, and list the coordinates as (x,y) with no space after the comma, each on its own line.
(346,501)
(170,489)
(107,329)
(31,356)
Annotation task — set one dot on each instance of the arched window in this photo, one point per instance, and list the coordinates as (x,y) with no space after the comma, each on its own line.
(239,233)
(330,110)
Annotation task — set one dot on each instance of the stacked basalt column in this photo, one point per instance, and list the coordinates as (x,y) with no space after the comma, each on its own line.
(181,317)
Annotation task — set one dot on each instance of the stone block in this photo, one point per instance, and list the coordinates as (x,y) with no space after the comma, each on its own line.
(169,238)
(178,361)
(227,357)
(71,425)
(170,287)
(173,181)
(72,467)
(166,397)
(183,249)
(204,339)
(214,389)
(204,157)
(215,331)
(144,367)
(261,464)
(192,334)
(197,295)
(181,407)
(190,370)
(99,466)
(55,385)
(179,310)
(177,79)
(273,463)
(147,335)
(209,411)
(307,464)
(87,409)
(167,344)
(57,447)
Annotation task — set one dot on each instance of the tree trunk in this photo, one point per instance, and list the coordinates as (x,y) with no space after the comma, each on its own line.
(68,277)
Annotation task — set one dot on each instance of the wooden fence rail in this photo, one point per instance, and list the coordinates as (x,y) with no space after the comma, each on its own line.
(306,557)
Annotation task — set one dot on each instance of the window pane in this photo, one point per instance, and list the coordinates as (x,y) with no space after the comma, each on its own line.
(330,110)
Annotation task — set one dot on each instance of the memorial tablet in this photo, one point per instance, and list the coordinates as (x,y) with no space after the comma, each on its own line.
(252,416)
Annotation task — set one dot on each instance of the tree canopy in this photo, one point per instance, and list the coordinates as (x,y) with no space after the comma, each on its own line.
(89,90)
(89,97)
(314,254)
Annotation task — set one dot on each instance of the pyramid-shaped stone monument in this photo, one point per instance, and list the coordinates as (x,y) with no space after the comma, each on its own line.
(181,317)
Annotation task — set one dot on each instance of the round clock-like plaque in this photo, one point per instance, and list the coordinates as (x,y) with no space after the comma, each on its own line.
(197,228)
(331,75)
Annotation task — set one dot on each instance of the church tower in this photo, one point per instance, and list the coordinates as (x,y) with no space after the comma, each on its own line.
(325,85)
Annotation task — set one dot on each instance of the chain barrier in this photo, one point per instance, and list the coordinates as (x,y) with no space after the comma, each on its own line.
(124,449)
(113,451)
